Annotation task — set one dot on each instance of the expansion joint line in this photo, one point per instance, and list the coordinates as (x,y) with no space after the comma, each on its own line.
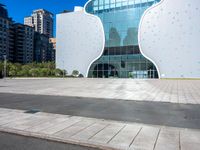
(117,133)
(67,127)
(98,132)
(83,129)
(135,136)
(156,139)
(179,140)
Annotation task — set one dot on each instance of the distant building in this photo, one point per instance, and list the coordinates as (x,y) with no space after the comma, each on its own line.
(41,47)
(24,43)
(28,42)
(66,11)
(52,49)
(29,21)
(53,42)
(42,21)
(6,35)
(3,11)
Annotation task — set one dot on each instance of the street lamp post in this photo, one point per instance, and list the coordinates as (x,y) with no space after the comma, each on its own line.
(5,64)
(63,69)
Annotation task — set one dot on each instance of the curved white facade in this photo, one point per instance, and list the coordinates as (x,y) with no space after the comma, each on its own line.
(80,41)
(169,35)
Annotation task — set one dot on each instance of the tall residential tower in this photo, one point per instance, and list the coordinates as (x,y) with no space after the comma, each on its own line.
(6,35)
(24,43)
(42,21)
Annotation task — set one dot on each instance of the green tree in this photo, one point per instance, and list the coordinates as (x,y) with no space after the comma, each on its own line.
(25,70)
(21,73)
(44,72)
(34,69)
(33,65)
(64,72)
(1,68)
(51,65)
(58,72)
(12,70)
(75,73)
(19,66)
(34,72)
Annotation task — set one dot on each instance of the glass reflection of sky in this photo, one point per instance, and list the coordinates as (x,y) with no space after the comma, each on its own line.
(120,19)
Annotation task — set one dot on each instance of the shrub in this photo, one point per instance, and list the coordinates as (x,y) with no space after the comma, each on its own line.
(44,72)
(25,70)
(12,70)
(34,72)
(58,72)
(43,69)
(75,73)
(130,75)
(80,76)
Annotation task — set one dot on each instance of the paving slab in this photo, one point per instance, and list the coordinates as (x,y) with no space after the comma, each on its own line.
(27,122)
(89,132)
(169,136)
(58,127)
(13,118)
(106,135)
(74,129)
(126,136)
(47,124)
(190,139)
(146,138)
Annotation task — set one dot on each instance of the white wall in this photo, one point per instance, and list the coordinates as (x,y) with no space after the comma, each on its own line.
(169,35)
(80,41)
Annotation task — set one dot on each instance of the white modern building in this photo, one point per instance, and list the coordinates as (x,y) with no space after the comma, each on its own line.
(131,39)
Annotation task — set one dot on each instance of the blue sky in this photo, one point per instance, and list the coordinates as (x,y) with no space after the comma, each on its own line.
(18,9)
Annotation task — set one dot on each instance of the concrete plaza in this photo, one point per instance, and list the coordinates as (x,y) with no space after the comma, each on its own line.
(174,91)
(103,113)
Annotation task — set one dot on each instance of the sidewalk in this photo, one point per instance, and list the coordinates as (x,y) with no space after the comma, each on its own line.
(102,134)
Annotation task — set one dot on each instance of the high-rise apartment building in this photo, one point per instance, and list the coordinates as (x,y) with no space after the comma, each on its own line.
(42,21)
(6,35)
(29,21)
(41,47)
(28,42)
(52,49)
(24,43)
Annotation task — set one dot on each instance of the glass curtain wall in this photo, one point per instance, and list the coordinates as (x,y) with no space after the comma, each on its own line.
(121,57)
